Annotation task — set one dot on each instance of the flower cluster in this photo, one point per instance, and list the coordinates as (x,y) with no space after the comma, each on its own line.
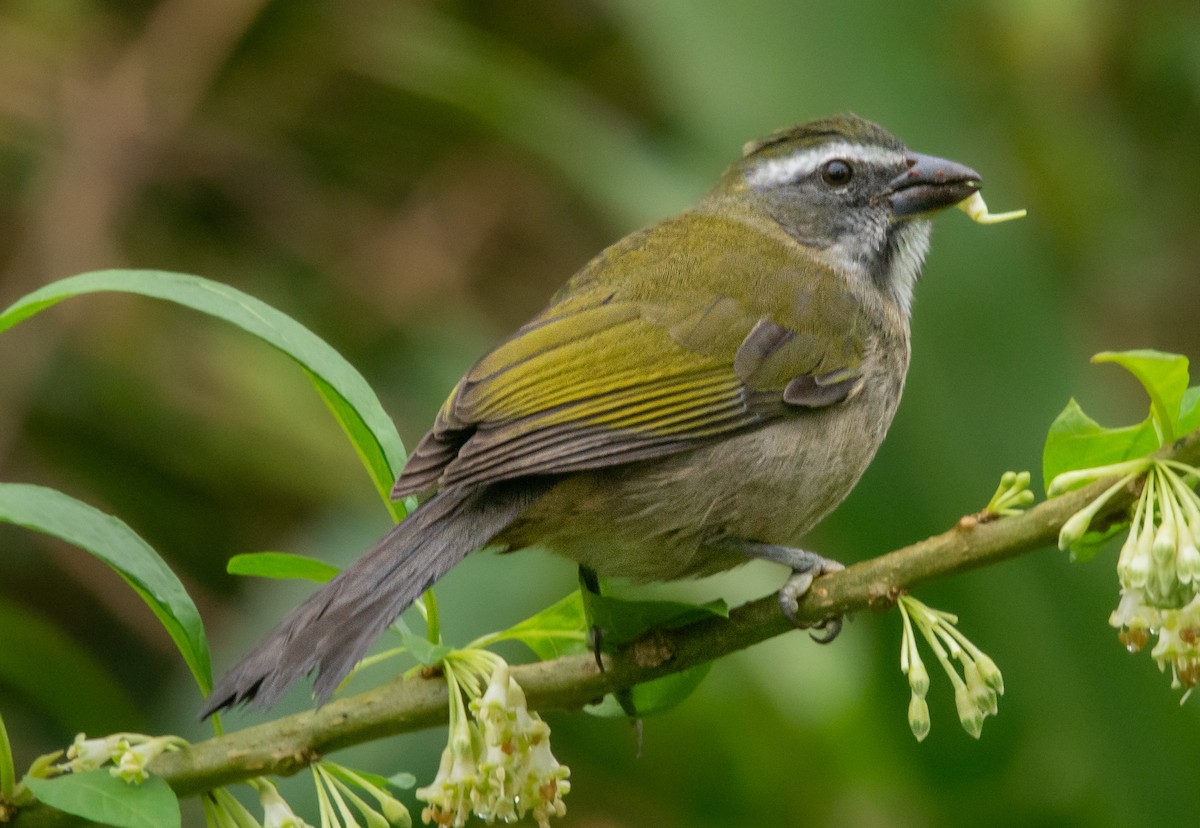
(130,754)
(498,763)
(976,691)
(1159,563)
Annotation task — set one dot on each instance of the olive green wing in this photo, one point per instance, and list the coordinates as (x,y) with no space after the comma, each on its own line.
(673,375)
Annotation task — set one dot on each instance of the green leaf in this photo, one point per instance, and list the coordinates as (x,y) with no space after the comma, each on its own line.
(623,621)
(1091,543)
(560,629)
(59,677)
(424,650)
(1165,378)
(1189,410)
(1076,441)
(110,540)
(349,397)
(655,696)
(99,796)
(281,565)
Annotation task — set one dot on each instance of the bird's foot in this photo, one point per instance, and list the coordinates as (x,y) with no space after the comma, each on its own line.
(806,567)
(798,585)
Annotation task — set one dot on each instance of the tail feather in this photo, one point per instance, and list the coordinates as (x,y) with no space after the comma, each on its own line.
(331,631)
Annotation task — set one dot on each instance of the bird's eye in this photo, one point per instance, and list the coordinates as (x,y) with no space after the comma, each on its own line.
(836,173)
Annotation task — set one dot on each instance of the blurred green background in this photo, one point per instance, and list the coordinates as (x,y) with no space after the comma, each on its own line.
(412,180)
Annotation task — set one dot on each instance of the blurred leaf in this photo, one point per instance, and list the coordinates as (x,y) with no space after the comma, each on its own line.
(595,146)
(353,403)
(60,677)
(99,796)
(560,629)
(110,540)
(1165,378)
(8,774)
(1076,441)
(281,565)
(657,696)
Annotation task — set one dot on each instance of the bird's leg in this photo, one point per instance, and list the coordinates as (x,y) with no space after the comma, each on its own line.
(805,567)
(589,581)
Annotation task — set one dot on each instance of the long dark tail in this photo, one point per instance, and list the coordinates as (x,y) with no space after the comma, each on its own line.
(331,631)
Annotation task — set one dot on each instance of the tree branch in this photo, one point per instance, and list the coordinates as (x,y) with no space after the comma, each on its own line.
(287,745)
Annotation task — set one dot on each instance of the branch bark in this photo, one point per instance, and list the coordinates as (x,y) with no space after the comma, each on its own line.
(287,745)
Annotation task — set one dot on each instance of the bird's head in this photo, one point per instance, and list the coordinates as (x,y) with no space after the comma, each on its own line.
(853,194)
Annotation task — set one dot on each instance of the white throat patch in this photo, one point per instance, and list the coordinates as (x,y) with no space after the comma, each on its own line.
(912,243)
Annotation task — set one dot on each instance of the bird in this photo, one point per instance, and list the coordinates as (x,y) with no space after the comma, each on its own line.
(701,394)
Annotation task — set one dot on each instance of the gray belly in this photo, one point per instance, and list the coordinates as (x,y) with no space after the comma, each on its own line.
(664,519)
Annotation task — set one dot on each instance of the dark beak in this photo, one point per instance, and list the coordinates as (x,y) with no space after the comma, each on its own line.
(930,184)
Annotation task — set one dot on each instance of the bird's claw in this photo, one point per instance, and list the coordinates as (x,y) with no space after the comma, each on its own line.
(827,630)
(798,585)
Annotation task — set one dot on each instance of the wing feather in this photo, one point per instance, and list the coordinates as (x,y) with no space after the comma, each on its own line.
(675,371)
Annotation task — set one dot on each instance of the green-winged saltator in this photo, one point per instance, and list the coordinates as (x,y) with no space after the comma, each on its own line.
(702,393)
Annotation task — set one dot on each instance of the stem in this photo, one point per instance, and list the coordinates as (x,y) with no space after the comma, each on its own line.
(1186,496)
(507,635)
(324,806)
(336,796)
(355,800)
(907,641)
(217,726)
(1066,480)
(1185,469)
(378,657)
(432,624)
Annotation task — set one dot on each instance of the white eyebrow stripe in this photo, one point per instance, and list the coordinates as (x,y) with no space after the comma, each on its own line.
(793,167)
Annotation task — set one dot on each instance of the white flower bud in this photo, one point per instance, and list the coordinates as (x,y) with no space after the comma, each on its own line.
(1074,529)
(1187,564)
(989,672)
(918,717)
(969,713)
(1165,542)
(918,678)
